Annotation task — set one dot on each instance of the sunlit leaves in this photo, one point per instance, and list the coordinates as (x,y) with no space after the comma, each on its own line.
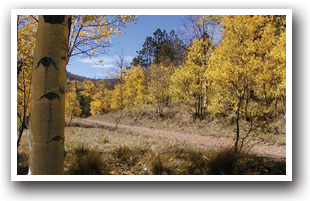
(134,87)
(158,86)
(100,101)
(130,93)
(249,64)
(72,105)
(190,83)
(26,33)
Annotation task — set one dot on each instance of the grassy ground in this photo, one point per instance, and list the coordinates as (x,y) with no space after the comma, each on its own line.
(177,118)
(120,152)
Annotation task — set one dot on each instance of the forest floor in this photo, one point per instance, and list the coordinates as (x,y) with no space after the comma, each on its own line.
(201,142)
(160,146)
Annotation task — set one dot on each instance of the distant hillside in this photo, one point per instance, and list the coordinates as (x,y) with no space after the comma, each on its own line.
(109,83)
(72,76)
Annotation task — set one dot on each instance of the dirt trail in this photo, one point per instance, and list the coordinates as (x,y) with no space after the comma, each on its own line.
(202,142)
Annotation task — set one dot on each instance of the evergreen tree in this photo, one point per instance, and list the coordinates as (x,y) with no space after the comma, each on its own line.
(162,48)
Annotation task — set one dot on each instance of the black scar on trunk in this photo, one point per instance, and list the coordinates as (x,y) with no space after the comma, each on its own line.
(46,62)
(62,90)
(54,19)
(50,96)
(56,138)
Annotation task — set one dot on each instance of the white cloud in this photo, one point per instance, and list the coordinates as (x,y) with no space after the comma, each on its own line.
(85,60)
(108,61)
(103,65)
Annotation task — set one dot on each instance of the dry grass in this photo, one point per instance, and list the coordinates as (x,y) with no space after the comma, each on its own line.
(102,151)
(178,118)
(85,162)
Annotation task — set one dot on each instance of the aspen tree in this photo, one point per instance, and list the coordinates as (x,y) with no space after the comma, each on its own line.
(248,70)
(47,120)
(189,82)
(158,86)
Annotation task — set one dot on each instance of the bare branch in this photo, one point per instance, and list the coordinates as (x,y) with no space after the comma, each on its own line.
(246,136)
(33,17)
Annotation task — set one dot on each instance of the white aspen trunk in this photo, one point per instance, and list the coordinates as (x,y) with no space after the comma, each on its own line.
(47,120)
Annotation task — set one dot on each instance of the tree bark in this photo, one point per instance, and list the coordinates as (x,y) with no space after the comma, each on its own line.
(47,120)
(237,124)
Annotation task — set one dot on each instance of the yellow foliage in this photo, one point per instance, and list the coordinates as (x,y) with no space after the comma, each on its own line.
(26,37)
(117,99)
(250,63)
(72,104)
(134,87)
(100,101)
(99,96)
(158,85)
(190,83)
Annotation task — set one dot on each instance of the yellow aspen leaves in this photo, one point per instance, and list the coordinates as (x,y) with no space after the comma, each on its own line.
(26,37)
(189,83)
(158,86)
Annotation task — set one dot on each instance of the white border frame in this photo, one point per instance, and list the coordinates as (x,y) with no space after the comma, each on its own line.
(287,177)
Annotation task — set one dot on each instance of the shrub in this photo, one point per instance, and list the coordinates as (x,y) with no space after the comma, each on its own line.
(198,163)
(227,162)
(224,162)
(157,166)
(86,162)
(127,155)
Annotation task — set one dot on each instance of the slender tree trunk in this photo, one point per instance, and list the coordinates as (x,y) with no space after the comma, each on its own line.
(71,116)
(21,130)
(237,125)
(47,121)
(283,104)
(25,105)
(72,112)
(237,131)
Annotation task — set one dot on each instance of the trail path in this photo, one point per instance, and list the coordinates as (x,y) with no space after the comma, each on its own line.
(202,142)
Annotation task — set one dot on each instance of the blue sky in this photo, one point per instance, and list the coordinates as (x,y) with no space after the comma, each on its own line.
(129,42)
